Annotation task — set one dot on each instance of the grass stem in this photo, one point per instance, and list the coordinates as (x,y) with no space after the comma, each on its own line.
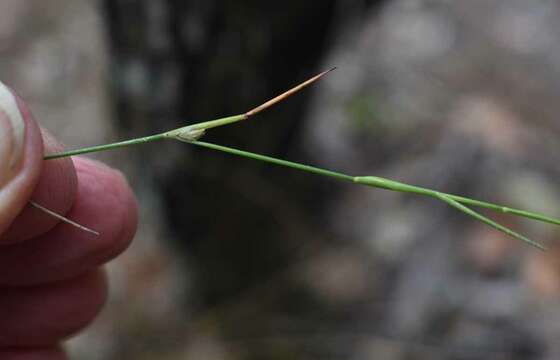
(106,147)
(191,133)
(387,184)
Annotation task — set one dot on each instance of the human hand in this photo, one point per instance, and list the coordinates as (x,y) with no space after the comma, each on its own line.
(51,279)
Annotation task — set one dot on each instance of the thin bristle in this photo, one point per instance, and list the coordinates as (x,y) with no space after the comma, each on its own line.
(287,94)
(63,219)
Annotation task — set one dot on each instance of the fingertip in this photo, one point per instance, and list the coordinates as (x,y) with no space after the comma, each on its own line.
(104,203)
(47,314)
(17,188)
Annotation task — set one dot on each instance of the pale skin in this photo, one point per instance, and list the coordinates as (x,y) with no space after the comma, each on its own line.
(52,282)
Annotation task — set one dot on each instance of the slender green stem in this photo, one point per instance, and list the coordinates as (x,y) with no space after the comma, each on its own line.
(393,185)
(111,146)
(191,133)
(186,133)
(218,122)
(401,187)
(457,202)
(268,159)
(484,219)
(505,209)
(388,184)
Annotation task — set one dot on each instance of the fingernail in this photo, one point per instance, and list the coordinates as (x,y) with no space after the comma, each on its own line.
(12,133)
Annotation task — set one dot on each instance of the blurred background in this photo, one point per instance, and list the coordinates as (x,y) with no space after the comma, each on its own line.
(240,260)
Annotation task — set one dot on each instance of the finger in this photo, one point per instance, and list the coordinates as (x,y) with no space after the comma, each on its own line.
(105,203)
(21,152)
(56,191)
(45,315)
(46,353)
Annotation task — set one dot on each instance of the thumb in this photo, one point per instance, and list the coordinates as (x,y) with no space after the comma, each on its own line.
(21,152)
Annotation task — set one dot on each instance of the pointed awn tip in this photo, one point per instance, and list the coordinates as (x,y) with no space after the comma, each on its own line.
(286,94)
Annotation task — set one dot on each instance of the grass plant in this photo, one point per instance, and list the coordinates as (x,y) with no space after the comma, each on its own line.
(191,134)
